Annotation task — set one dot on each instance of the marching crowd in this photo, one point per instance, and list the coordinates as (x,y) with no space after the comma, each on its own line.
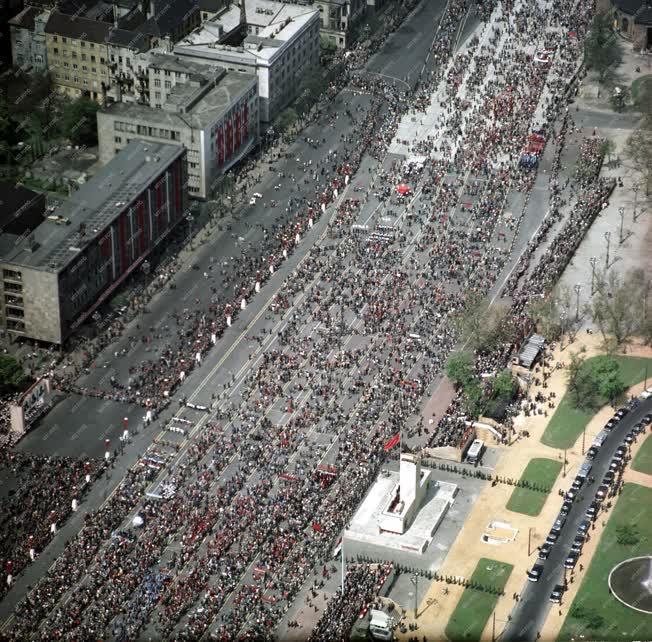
(252,517)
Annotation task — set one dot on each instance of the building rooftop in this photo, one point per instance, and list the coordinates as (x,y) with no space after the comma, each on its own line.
(640,10)
(128,39)
(181,110)
(78,28)
(270,25)
(14,200)
(52,245)
(25,18)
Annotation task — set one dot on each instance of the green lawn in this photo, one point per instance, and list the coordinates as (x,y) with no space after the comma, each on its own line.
(643,460)
(542,472)
(475,607)
(612,620)
(567,424)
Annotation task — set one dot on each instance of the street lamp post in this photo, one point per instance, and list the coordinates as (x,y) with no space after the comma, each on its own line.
(607,236)
(593,260)
(621,211)
(415,580)
(635,188)
(577,287)
(562,320)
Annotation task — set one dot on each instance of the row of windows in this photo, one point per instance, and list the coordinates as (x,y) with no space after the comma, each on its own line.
(82,43)
(146,130)
(73,55)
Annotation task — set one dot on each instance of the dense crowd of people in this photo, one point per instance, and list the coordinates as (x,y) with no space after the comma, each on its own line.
(368,328)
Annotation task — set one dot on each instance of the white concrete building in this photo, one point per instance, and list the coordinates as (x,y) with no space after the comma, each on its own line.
(277,42)
(28,49)
(211,112)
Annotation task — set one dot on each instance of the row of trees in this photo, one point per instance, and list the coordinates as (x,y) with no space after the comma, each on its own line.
(619,308)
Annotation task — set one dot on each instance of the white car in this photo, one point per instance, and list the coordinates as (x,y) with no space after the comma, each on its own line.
(257,195)
(252,201)
(646,394)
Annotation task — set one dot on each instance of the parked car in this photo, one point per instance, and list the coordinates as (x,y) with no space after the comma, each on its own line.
(544,551)
(647,420)
(638,428)
(534,574)
(593,510)
(621,412)
(571,560)
(570,495)
(616,464)
(577,482)
(553,536)
(565,508)
(630,438)
(557,594)
(609,476)
(611,424)
(584,526)
(577,544)
(602,492)
(592,452)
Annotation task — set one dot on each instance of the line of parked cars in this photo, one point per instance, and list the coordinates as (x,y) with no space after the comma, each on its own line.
(607,488)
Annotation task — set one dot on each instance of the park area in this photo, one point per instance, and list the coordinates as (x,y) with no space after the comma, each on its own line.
(568,422)
(643,461)
(477,604)
(536,481)
(595,614)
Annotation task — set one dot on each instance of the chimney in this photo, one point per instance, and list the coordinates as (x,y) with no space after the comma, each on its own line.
(243,15)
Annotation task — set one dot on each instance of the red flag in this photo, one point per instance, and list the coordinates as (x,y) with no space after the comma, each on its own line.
(392,442)
(316,526)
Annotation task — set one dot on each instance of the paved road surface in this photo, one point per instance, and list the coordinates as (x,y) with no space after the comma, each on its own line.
(530,613)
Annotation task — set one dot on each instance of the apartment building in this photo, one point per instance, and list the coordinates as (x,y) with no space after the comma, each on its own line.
(28,41)
(211,112)
(55,277)
(277,42)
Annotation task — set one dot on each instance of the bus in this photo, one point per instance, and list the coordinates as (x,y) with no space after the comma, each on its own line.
(475,451)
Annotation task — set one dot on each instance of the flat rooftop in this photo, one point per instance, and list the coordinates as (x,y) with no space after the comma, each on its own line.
(215,102)
(270,25)
(94,204)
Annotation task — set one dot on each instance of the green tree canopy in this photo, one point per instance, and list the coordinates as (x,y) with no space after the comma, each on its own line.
(602,48)
(79,121)
(460,368)
(12,377)
(481,325)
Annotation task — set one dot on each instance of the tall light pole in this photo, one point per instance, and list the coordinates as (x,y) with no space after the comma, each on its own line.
(621,211)
(415,580)
(635,188)
(593,260)
(577,287)
(562,319)
(607,236)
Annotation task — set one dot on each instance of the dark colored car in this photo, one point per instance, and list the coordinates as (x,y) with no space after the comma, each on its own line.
(647,420)
(584,526)
(592,452)
(544,551)
(593,510)
(557,594)
(534,574)
(609,476)
(621,412)
(565,508)
(553,536)
(637,429)
(611,424)
(631,437)
(602,492)
(571,560)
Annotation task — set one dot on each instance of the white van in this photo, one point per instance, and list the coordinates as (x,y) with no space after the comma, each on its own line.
(381,626)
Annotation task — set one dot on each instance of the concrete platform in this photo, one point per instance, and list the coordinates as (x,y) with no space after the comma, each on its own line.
(364,528)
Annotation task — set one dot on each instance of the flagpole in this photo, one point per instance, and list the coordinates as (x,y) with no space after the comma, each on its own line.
(343,562)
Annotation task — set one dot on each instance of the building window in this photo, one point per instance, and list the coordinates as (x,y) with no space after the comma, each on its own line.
(83,56)
(75,65)
(92,58)
(157,95)
(73,54)
(82,44)
(56,50)
(84,68)
(168,84)
(157,82)
(118,139)
(94,69)
(65,64)
(55,38)
(12,274)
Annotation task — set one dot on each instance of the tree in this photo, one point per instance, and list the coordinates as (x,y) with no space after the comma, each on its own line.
(482,325)
(602,48)
(79,121)
(473,401)
(608,148)
(286,119)
(12,377)
(460,368)
(638,150)
(615,307)
(546,313)
(581,387)
(503,386)
(605,373)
